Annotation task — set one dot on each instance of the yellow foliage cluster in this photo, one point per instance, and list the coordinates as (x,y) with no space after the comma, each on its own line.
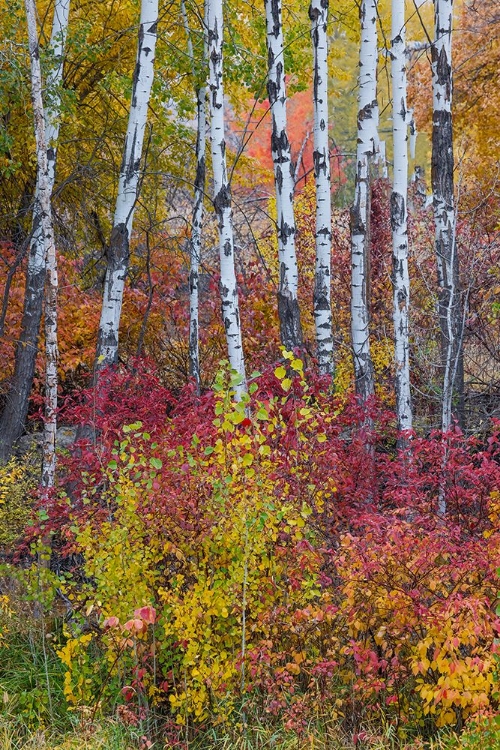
(17,481)
(402,610)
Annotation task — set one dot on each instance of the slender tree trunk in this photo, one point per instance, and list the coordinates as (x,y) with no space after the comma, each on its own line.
(288,305)
(399,217)
(16,408)
(199,194)
(449,296)
(44,185)
(318,13)
(128,185)
(366,153)
(222,196)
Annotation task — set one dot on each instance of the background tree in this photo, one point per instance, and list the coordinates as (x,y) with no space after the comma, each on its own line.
(399,216)
(366,153)
(195,241)
(222,195)
(118,252)
(318,13)
(449,294)
(16,407)
(284,175)
(45,182)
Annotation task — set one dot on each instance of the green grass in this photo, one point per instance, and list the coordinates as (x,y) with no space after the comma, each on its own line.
(34,714)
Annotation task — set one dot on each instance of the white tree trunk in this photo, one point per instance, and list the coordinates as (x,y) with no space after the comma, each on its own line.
(367,151)
(449,296)
(44,191)
(318,13)
(128,184)
(16,408)
(222,196)
(288,306)
(399,216)
(199,194)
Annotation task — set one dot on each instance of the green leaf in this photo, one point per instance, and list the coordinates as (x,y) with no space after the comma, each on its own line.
(156,463)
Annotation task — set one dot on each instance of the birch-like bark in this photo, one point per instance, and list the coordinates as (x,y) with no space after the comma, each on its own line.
(222,196)
(128,185)
(366,153)
(199,193)
(318,13)
(449,296)
(16,408)
(44,198)
(284,177)
(399,217)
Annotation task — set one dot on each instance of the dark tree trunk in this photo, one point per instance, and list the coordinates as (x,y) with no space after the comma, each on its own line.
(16,408)
(450,305)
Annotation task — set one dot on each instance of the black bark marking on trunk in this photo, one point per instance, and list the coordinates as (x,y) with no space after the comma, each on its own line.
(137,69)
(279,179)
(366,112)
(443,69)
(129,164)
(442,156)
(274,85)
(289,317)
(270,63)
(397,211)
(280,146)
(118,250)
(402,111)
(320,163)
(357,226)
(286,231)
(199,180)
(222,200)
(276,16)
(215,59)
(321,302)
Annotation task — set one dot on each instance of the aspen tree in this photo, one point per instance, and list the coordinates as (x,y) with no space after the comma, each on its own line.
(367,152)
(399,216)
(199,194)
(44,192)
(318,13)
(16,408)
(449,295)
(222,195)
(128,186)
(284,178)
